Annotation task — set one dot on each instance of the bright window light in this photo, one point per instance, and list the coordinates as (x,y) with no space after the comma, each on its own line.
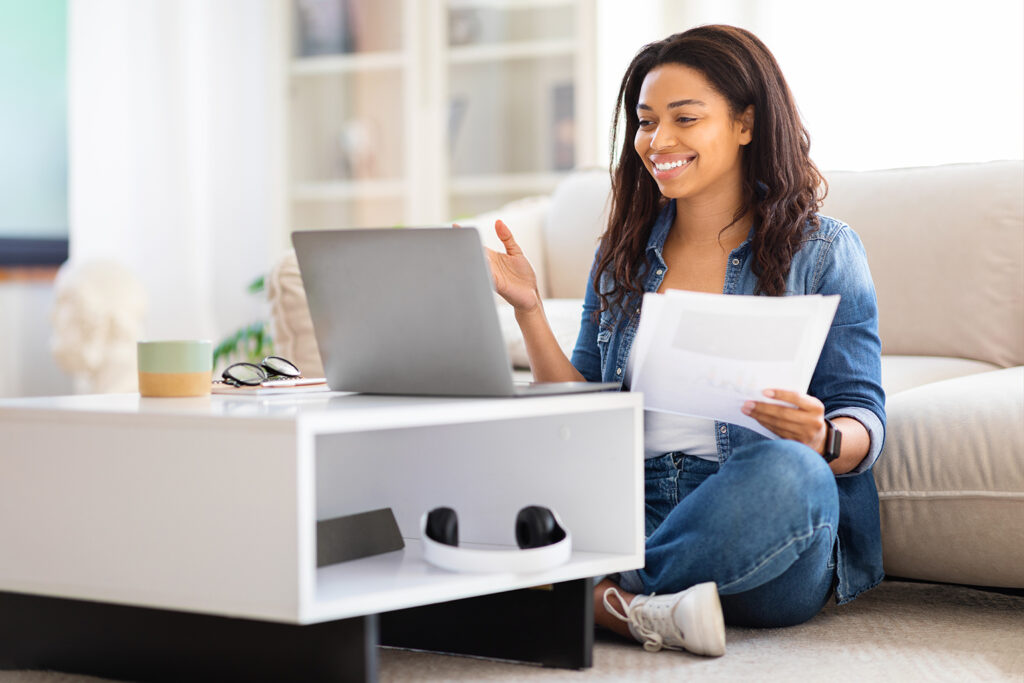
(889,83)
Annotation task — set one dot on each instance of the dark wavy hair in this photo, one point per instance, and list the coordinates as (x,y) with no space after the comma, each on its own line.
(782,187)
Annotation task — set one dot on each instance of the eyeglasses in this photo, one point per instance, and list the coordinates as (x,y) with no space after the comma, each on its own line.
(250,374)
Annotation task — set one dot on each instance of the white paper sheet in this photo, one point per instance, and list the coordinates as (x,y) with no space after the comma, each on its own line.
(706,354)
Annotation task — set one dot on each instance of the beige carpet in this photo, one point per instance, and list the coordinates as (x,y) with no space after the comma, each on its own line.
(900,631)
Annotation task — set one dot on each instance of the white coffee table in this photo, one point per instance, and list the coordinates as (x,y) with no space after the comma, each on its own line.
(166,538)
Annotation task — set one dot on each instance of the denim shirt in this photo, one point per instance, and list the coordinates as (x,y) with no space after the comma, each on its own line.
(847,379)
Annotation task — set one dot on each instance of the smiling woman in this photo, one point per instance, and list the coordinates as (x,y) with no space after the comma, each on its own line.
(713,190)
(33,133)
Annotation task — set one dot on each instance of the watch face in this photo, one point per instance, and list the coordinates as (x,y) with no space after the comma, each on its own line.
(833,441)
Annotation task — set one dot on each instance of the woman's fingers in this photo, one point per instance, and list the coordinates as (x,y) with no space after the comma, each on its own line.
(505,235)
(784,425)
(801,420)
(795,397)
(776,413)
(511,273)
(798,403)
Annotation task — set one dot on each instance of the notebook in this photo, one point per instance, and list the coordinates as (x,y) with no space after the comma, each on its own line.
(410,311)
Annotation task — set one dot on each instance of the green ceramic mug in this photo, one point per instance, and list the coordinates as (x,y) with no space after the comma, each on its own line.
(175,368)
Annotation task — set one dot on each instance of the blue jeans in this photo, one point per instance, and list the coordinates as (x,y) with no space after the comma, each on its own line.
(762,526)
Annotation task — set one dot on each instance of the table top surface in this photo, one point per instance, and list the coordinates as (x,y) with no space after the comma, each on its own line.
(289,407)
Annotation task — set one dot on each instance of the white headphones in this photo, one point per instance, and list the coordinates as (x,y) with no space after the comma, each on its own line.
(543,541)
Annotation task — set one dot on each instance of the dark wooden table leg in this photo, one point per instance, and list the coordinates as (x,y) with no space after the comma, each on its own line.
(142,644)
(552,626)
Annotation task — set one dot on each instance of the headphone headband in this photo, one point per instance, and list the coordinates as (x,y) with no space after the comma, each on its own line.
(456,559)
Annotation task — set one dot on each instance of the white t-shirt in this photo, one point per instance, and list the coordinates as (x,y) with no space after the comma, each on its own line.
(669,432)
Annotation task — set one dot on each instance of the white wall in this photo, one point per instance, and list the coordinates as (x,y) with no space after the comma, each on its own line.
(883,83)
(907,83)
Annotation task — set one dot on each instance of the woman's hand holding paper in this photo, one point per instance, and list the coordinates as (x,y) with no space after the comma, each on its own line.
(802,420)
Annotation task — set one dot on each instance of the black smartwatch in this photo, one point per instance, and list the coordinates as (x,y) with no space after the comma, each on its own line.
(833,441)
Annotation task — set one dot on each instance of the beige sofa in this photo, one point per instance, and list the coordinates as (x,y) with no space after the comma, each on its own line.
(946,250)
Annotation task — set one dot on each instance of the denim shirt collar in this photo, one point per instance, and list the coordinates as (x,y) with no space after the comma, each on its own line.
(659,231)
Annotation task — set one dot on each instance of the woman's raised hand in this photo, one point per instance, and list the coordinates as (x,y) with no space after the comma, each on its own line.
(515,280)
(513,276)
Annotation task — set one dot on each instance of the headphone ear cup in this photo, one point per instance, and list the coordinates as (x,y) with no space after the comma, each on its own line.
(536,527)
(443,526)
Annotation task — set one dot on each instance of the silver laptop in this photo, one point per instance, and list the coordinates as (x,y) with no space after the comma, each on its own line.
(409,311)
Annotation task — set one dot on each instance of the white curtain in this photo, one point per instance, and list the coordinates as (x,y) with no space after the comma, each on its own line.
(174,152)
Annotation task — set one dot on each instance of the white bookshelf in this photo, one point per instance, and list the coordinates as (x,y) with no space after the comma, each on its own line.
(505,4)
(348,190)
(339,64)
(435,109)
(506,51)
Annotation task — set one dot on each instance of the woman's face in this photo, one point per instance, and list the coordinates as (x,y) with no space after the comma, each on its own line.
(688,139)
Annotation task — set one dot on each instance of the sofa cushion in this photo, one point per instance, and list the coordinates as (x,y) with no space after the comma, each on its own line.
(572,228)
(900,373)
(951,481)
(291,326)
(945,248)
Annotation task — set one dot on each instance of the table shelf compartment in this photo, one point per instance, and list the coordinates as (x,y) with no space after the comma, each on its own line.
(417,468)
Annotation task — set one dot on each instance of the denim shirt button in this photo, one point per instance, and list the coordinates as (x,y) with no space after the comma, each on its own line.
(659,271)
(735,261)
(618,371)
(722,429)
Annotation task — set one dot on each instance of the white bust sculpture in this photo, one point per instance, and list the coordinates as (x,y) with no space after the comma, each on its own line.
(98,313)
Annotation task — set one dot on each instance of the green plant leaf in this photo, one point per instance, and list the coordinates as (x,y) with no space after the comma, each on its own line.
(250,343)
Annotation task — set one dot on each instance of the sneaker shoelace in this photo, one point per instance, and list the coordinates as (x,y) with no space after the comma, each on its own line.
(647,623)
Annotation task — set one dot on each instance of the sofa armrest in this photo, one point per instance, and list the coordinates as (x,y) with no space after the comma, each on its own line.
(951,481)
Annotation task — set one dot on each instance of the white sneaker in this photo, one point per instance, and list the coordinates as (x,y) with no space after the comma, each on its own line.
(691,619)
